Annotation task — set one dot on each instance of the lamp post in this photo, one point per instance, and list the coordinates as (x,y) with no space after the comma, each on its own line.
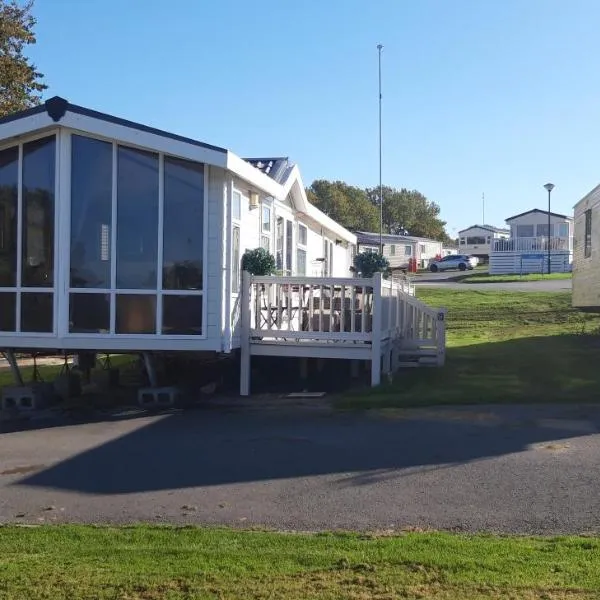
(549,187)
(380,48)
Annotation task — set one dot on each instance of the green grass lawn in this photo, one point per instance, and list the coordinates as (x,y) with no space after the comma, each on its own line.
(50,372)
(487,278)
(151,563)
(502,346)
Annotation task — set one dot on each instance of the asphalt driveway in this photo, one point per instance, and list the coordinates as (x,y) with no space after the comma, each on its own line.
(446,280)
(525,470)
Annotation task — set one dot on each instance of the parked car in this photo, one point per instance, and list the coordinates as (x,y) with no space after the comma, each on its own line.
(462,262)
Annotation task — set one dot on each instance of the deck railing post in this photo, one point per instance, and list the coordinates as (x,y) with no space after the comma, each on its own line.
(245,308)
(440,325)
(376,331)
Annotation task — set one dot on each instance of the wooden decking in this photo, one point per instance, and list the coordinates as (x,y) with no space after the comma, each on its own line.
(374,320)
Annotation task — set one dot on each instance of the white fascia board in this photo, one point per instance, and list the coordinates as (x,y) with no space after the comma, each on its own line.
(333,226)
(143,139)
(296,186)
(26,125)
(255,177)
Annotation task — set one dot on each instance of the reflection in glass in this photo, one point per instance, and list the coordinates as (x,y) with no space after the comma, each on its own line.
(183,235)
(137,218)
(36,312)
(89,313)
(182,315)
(8,311)
(9,173)
(91,206)
(136,313)
(39,164)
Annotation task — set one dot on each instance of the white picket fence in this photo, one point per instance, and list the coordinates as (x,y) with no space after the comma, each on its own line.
(353,318)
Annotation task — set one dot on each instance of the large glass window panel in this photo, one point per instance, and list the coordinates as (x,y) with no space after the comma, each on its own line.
(183,236)
(9,174)
(182,315)
(136,313)
(91,212)
(89,313)
(525,231)
(39,164)
(8,314)
(137,218)
(37,313)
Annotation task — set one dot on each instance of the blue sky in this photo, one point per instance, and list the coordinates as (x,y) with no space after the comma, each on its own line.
(478,95)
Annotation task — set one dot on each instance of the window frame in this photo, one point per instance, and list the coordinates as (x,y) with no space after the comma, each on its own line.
(113,291)
(587,234)
(301,247)
(57,289)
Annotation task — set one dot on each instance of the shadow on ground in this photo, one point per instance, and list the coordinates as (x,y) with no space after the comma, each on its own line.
(205,449)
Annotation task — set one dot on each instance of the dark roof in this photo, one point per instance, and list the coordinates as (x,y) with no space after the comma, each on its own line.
(487,227)
(56,108)
(537,210)
(276,168)
(372,239)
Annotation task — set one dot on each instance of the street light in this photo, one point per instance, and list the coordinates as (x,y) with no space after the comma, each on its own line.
(549,187)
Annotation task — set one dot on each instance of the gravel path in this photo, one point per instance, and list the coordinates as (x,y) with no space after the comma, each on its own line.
(521,470)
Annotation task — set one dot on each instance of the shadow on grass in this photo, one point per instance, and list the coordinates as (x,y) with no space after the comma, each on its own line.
(561,368)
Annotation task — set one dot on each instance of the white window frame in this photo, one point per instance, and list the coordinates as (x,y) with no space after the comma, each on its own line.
(392,249)
(18,288)
(266,233)
(113,291)
(301,247)
(234,200)
(408,248)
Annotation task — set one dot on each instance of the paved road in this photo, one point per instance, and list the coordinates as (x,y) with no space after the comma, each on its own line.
(446,280)
(511,470)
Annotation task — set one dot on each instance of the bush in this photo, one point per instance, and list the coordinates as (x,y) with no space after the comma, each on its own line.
(369,263)
(258,262)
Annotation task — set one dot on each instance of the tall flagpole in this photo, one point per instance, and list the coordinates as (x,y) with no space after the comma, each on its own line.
(379,48)
(483,207)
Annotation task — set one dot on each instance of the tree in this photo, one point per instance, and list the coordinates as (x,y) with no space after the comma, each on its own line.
(346,204)
(20,82)
(409,212)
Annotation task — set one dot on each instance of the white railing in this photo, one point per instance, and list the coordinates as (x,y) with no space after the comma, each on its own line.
(533,244)
(371,312)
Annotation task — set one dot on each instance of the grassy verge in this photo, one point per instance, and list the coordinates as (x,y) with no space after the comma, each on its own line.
(50,372)
(501,347)
(487,278)
(151,563)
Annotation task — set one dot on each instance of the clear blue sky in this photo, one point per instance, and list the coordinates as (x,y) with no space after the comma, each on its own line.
(478,95)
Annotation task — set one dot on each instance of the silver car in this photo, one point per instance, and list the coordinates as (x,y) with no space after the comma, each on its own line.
(462,262)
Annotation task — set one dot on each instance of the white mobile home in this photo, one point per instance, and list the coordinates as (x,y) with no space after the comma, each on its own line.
(399,249)
(586,252)
(477,240)
(120,237)
(530,244)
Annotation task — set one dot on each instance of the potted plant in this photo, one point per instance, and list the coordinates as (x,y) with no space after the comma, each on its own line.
(258,262)
(366,264)
(261,263)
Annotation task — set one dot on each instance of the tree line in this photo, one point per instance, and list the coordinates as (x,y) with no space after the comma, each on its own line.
(405,212)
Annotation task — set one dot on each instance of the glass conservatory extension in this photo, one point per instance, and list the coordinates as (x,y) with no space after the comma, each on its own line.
(99,239)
